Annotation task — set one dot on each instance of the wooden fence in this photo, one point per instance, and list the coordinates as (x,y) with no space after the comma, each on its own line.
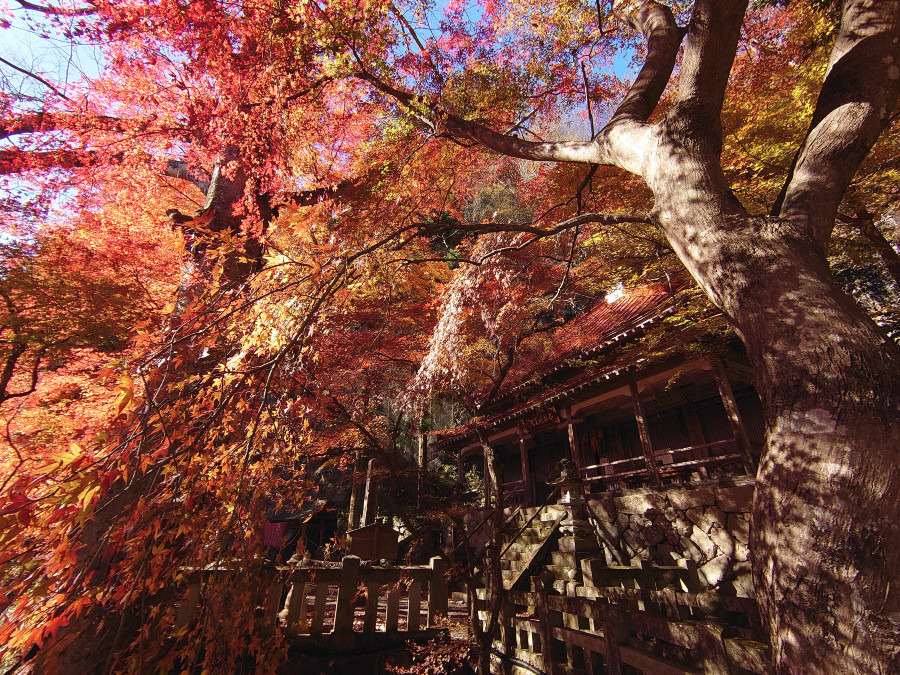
(651,618)
(341,600)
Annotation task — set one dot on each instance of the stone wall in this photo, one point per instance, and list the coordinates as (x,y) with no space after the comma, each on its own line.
(709,525)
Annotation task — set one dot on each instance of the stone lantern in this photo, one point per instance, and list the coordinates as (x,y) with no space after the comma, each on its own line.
(576,531)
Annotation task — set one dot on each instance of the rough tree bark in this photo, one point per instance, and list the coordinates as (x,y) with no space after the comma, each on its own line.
(827,506)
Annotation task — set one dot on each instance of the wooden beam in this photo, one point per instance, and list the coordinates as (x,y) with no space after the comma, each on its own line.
(527,496)
(734,417)
(574,454)
(644,432)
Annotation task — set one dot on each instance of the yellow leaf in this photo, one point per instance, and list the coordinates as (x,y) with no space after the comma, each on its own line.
(87,496)
(126,393)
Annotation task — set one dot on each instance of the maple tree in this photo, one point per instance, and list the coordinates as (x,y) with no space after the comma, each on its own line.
(318,163)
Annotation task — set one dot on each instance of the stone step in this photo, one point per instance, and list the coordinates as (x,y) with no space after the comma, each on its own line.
(565,587)
(564,572)
(571,544)
(564,558)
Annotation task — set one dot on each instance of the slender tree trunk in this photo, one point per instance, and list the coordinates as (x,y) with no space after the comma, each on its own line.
(493,575)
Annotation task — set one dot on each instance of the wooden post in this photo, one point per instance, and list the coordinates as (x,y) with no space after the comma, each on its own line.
(527,496)
(713,654)
(188,606)
(296,602)
(370,503)
(574,454)
(273,604)
(414,606)
(695,435)
(614,634)
(507,631)
(423,465)
(355,501)
(543,612)
(691,578)
(734,417)
(343,610)
(644,432)
(437,591)
(487,479)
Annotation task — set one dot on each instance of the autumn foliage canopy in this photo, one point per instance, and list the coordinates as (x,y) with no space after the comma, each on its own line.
(261,240)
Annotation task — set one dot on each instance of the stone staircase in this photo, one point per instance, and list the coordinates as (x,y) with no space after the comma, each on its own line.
(524,547)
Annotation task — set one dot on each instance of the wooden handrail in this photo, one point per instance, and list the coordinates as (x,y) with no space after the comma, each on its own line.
(470,533)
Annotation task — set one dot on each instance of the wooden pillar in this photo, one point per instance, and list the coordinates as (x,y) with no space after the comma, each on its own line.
(614,634)
(644,432)
(574,454)
(423,465)
(546,624)
(734,417)
(695,435)
(355,497)
(414,606)
(392,612)
(487,479)
(370,503)
(527,496)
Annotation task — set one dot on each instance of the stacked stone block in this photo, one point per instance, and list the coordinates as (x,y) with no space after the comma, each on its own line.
(710,526)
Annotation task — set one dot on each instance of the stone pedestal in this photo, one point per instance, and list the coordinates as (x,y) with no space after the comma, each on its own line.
(577,533)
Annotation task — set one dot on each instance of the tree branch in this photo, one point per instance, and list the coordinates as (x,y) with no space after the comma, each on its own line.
(57,11)
(35,77)
(13,161)
(854,106)
(657,24)
(178,169)
(621,143)
(709,52)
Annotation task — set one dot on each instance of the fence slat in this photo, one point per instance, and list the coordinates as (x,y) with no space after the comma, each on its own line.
(296,602)
(318,618)
(371,617)
(343,611)
(393,611)
(273,604)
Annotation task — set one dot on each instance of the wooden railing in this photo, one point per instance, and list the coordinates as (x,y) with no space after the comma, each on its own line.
(514,493)
(318,601)
(675,465)
(647,618)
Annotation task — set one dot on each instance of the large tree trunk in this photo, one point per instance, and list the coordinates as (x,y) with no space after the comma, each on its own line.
(825,516)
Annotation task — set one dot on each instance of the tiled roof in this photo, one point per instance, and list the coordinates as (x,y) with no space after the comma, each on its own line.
(606,325)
